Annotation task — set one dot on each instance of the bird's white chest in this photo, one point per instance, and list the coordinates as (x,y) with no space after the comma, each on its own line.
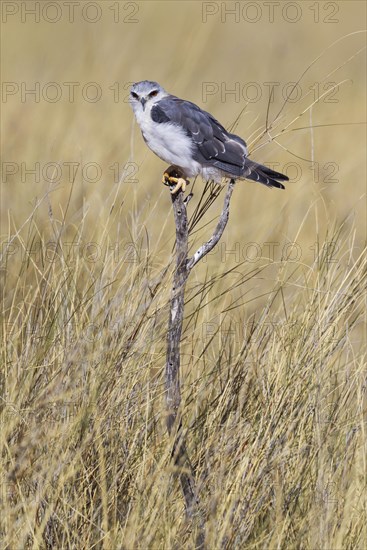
(168,141)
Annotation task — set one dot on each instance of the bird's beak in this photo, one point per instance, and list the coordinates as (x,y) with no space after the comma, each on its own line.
(143,102)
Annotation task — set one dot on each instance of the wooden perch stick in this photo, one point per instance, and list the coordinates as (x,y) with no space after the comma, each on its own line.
(176,315)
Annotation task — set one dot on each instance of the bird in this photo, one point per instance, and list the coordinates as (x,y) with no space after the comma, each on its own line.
(192,141)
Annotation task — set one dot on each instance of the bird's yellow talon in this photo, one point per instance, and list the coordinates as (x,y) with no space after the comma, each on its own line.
(180,184)
(165,178)
(170,180)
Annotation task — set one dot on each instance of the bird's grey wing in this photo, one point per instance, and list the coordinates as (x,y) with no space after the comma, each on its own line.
(213,145)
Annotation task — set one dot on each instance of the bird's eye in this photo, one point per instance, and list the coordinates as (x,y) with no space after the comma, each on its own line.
(153,93)
(134,95)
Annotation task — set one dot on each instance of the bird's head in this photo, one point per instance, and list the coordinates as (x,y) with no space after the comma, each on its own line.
(145,94)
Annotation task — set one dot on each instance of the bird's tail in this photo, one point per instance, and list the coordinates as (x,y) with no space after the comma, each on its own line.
(263,174)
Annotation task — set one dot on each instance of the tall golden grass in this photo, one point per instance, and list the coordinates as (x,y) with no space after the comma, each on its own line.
(273,350)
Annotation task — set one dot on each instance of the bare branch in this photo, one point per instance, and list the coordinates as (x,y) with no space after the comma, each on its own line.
(173,389)
(173,396)
(182,271)
(184,266)
(218,232)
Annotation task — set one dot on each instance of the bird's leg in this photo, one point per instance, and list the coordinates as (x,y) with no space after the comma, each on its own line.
(174,176)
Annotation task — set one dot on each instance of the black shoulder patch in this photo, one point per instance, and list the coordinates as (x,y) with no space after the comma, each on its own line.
(158,115)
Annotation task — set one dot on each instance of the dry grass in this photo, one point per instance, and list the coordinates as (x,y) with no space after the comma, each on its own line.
(274,375)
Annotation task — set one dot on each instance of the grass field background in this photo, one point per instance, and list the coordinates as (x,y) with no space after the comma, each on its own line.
(273,349)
